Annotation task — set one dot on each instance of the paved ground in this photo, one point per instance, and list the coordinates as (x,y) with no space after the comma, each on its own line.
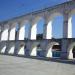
(10,65)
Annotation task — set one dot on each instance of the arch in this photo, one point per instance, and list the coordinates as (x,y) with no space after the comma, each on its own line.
(22,30)
(71,12)
(21,49)
(3,48)
(34,27)
(36,50)
(4,34)
(49,49)
(11,48)
(12,31)
(33,51)
(57,27)
(50,24)
(40,28)
(70,50)
(52,15)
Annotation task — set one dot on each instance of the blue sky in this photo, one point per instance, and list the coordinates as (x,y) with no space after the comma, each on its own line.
(14,8)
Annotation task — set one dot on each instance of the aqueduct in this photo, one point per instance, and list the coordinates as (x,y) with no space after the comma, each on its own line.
(13,39)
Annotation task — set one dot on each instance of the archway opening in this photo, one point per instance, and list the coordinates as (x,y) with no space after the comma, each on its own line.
(40,28)
(56,51)
(39,51)
(36,50)
(57,26)
(53,50)
(24,30)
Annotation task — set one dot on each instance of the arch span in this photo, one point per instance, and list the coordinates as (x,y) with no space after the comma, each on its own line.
(50,25)
(34,27)
(70,50)
(33,51)
(49,49)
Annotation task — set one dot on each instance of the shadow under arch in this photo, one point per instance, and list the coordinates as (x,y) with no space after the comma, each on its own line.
(49,49)
(71,51)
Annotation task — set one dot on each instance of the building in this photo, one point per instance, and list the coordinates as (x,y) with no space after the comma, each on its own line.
(12,34)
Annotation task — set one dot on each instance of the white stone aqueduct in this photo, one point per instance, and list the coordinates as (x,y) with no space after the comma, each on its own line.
(13,41)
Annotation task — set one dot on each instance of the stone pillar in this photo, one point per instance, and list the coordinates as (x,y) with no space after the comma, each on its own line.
(16,48)
(64,48)
(47,29)
(67,33)
(4,34)
(9,31)
(67,26)
(12,31)
(22,31)
(33,30)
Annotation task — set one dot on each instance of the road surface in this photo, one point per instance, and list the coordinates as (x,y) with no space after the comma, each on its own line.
(11,65)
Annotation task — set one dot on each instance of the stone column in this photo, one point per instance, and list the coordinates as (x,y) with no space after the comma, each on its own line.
(9,31)
(67,33)
(64,48)
(47,29)
(67,26)
(4,34)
